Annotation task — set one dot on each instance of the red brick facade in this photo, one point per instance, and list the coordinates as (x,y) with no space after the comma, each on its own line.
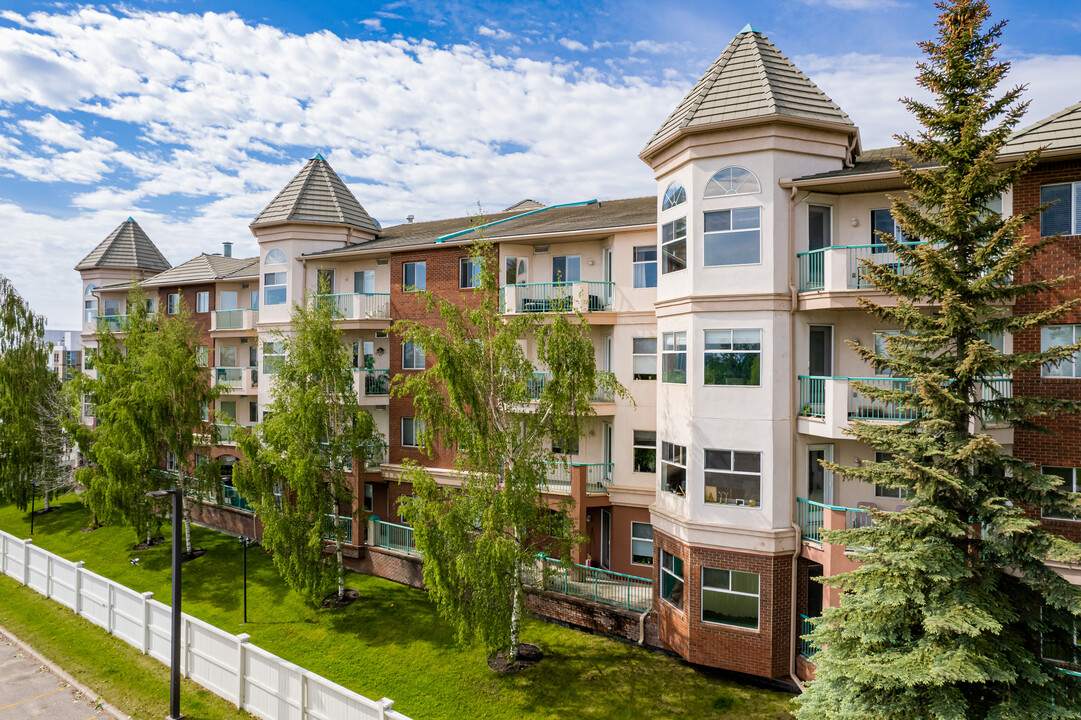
(763,652)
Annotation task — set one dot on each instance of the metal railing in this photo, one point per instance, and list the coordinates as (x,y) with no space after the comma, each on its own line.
(535,387)
(599,295)
(596,584)
(394,537)
(227,432)
(376,455)
(230,497)
(343,522)
(233,319)
(377,382)
(812,269)
(232,377)
(861,407)
(812,396)
(812,265)
(114,323)
(357,306)
(558,477)
(806,647)
(994,389)
(810,515)
(560,296)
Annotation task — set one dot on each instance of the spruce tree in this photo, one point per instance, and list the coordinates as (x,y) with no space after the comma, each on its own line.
(944,617)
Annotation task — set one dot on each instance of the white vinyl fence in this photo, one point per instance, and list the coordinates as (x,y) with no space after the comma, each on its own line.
(227,665)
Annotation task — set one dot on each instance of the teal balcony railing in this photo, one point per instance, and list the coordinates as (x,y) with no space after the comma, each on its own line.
(806,647)
(394,537)
(812,396)
(535,386)
(358,306)
(810,515)
(587,296)
(558,477)
(861,407)
(230,497)
(991,390)
(235,319)
(595,584)
(230,377)
(227,432)
(377,382)
(817,269)
(112,323)
(346,527)
(812,270)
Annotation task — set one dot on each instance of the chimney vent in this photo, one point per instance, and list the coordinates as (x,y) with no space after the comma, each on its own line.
(409,218)
(228,246)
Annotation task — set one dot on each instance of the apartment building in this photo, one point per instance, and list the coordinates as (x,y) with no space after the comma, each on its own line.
(724,303)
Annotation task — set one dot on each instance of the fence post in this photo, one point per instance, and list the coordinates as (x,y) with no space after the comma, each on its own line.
(26,561)
(78,587)
(241,646)
(384,705)
(303,695)
(49,575)
(185,644)
(109,606)
(3,553)
(146,621)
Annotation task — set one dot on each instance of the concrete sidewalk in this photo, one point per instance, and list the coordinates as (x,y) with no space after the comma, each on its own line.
(31,687)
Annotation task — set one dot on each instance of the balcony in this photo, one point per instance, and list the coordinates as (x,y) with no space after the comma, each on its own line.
(227,433)
(840,269)
(358,306)
(112,323)
(585,297)
(391,536)
(237,380)
(373,385)
(535,387)
(345,525)
(827,405)
(241,320)
(558,477)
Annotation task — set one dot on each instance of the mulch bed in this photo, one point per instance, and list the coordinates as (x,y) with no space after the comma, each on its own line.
(196,553)
(152,543)
(528,656)
(332,601)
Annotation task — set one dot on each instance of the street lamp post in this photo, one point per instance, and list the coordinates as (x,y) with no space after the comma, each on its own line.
(174,681)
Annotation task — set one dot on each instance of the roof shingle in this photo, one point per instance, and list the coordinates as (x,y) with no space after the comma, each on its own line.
(1060,131)
(126,247)
(316,194)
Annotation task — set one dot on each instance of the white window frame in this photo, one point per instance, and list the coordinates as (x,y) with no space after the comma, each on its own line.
(730,191)
(728,591)
(674,195)
(202,301)
(202,355)
(275,256)
(731,463)
(635,355)
(1051,370)
(719,339)
(635,263)
(636,445)
(641,541)
(272,350)
(283,277)
(468,270)
(90,307)
(718,236)
(675,351)
(1075,210)
(170,461)
(421,265)
(681,578)
(1076,477)
(676,239)
(416,427)
(1074,635)
(417,350)
(172,303)
(897,233)
(662,461)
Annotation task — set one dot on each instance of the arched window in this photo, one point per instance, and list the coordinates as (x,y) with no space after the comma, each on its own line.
(674,195)
(732,181)
(275,257)
(90,304)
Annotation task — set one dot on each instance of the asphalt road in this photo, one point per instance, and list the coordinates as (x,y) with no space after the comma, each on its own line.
(29,691)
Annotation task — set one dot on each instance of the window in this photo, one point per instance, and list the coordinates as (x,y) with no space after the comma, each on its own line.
(882,347)
(227,356)
(1061,641)
(415,276)
(253,412)
(172,303)
(644,358)
(204,411)
(364,281)
(672,579)
(1069,484)
(202,355)
(674,195)
(254,299)
(468,273)
(412,356)
(1063,216)
(324,281)
(170,461)
(674,246)
(88,358)
(819,227)
(732,181)
(275,257)
(567,268)
(202,302)
(515,270)
(112,308)
(563,446)
(151,306)
(730,597)
(888,492)
(733,237)
(645,266)
(273,354)
(674,468)
(733,477)
(369,497)
(227,410)
(645,451)
(90,304)
(1057,336)
(882,222)
(274,288)
(733,357)
(641,543)
(412,430)
(674,358)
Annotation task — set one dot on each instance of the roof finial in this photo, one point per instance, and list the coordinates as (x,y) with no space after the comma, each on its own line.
(748,28)
(130,219)
(319,156)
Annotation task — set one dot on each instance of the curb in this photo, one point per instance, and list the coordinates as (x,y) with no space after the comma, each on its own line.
(60,673)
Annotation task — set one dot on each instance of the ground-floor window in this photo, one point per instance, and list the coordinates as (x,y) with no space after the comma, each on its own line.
(641,543)
(730,597)
(369,497)
(672,579)
(1069,484)
(1060,642)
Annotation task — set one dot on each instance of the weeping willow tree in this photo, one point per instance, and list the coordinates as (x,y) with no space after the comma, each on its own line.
(944,618)
(25,383)
(482,397)
(295,466)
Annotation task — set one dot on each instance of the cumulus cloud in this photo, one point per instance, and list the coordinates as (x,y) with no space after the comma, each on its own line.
(494,33)
(573,44)
(372,24)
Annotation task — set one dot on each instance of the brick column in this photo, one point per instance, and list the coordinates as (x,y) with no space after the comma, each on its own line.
(578,513)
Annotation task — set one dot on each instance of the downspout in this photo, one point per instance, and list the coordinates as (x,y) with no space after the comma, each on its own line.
(794,410)
(642,626)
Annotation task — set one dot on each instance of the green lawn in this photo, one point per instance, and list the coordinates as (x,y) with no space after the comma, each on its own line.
(392,642)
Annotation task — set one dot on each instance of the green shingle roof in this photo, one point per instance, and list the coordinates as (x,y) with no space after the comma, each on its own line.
(751,79)
(1057,132)
(126,247)
(316,194)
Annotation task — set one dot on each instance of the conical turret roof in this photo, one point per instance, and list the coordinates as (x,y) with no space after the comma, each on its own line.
(126,247)
(316,194)
(751,79)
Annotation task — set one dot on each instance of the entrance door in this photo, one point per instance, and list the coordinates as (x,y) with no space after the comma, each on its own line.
(819,479)
(821,351)
(606,539)
(606,450)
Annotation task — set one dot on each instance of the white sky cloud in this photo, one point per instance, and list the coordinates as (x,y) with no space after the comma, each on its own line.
(494,33)
(573,44)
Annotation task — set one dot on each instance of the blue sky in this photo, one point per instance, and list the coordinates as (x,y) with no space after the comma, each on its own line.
(190,116)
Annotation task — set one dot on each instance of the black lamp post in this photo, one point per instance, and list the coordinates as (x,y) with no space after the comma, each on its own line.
(174,682)
(33,496)
(245,541)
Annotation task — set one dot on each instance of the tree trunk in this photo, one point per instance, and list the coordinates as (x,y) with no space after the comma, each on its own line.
(185,510)
(46,500)
(516,609)
(338,553)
